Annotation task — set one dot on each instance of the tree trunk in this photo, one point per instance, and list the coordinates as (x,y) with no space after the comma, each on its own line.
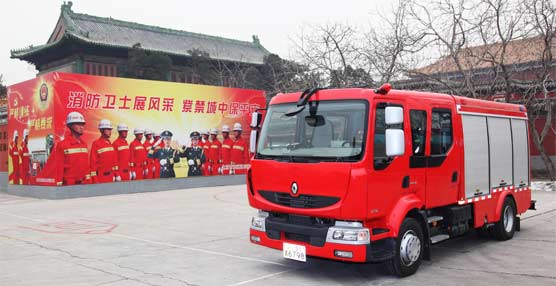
(548,163)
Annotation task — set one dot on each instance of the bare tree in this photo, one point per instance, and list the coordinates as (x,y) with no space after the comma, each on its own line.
(392,43)
(484,48)
(331,50)
(542,18)
(499,24)
(448,30)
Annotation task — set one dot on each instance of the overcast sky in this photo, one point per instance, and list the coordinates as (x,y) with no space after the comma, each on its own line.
(24,22)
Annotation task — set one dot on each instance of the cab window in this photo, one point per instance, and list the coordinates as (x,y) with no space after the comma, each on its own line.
(418,121)
(381,161)
(441,131)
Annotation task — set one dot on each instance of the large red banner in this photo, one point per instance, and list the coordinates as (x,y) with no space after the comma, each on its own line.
(47,146)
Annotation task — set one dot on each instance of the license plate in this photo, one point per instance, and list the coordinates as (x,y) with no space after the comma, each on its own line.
(294,252)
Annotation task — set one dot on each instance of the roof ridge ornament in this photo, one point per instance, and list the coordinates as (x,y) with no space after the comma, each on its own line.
(256,40)
(67,5)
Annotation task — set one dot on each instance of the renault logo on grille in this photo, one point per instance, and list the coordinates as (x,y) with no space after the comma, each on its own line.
(295,188)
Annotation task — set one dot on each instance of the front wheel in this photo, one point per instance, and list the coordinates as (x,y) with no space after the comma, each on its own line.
(504,229)
(409,249)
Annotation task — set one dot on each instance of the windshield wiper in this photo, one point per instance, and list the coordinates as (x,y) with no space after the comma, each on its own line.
(303,99)
(280,158)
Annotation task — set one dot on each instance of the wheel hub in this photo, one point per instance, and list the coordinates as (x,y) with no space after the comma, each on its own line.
(508,219)
(410,248)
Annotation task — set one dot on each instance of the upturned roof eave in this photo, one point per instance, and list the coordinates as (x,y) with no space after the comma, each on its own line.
(73,31)
(24,54)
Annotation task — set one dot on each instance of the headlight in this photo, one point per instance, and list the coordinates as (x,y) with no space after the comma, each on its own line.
(258,221)
(348,233)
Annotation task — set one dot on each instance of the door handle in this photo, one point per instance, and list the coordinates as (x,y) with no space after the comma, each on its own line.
(405,182)
(454,176)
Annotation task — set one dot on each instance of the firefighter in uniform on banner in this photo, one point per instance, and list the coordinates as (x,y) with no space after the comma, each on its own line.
(150,161)
(194,155)
(226,149)
(72,154)
(167,155)
(122,153)
(14,155)
(25,159)
(205,144)
(240,151)
(156,162)
(49,144)
(214,154)
(104,163)
(138,156)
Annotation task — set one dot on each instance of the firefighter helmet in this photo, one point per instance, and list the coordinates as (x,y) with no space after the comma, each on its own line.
(138,131)
(194,135)
(166,134)
(122,127)
(156,134)
(148,131)
(75,117)
(105,124)
(205,132)
(25,133)
(225,128)
(214,131)
(237,126)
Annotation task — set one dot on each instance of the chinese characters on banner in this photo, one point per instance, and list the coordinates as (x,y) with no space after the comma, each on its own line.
(82,100)
(44,150)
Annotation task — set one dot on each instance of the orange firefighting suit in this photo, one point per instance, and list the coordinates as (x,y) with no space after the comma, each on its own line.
(122,153)
(104,163)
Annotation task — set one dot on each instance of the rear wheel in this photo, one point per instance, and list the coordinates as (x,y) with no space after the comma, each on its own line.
(504,229)
(409,249)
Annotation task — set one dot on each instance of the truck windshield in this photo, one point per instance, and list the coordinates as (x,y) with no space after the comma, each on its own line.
(323,131)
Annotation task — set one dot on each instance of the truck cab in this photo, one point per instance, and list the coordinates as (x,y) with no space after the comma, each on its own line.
(366,175)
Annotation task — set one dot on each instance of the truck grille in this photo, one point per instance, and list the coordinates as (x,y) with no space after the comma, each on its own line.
(306,229)
(302,202)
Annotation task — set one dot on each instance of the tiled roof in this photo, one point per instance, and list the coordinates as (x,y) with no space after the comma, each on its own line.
(110,32)
(517,52)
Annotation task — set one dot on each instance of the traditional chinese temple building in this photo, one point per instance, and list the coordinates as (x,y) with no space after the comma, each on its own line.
(86,44)
(522,58)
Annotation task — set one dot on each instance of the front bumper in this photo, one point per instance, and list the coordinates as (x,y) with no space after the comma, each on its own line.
(318,243)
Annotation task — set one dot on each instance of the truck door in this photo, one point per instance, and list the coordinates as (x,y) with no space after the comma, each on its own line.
(389,176)
(443,172)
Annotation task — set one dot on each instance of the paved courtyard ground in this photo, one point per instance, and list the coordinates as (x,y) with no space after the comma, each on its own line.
(200,237)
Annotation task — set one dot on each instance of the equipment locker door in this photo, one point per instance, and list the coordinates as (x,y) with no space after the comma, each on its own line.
(476,153)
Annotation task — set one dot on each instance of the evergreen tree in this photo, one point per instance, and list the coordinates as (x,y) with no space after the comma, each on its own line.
(146,65)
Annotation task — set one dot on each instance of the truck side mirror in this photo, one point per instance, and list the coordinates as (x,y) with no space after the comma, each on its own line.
(255,119)
(393,115)
(253,141)
(395,142)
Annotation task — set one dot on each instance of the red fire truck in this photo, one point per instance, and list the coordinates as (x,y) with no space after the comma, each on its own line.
(366,175)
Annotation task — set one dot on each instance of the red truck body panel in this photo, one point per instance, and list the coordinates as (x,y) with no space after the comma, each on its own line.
(376,197)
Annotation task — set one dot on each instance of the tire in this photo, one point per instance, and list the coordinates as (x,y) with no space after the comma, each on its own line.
(504,229)
(407,259)
(483,232)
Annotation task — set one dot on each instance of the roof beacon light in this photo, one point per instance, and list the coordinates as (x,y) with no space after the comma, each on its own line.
(384,89)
